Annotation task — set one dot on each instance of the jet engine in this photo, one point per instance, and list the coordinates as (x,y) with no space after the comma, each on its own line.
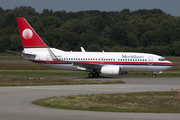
(112,70)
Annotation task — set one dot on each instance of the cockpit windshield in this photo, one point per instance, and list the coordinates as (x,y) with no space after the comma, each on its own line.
(162,59)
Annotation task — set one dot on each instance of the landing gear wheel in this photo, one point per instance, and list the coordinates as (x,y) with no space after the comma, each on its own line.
(154,76)
(91,75)
(96,74)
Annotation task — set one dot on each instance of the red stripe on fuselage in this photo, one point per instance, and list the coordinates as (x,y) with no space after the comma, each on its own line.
(105,62)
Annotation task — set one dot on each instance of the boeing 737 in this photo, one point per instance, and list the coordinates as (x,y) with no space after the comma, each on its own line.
(106,63)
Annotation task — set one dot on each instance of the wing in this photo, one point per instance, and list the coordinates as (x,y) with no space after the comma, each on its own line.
(80,64)
(88,65)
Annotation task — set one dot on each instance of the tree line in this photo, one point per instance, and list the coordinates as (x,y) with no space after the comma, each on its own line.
(150,31)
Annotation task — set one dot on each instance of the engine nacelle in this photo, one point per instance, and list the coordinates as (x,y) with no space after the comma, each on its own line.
(112,70)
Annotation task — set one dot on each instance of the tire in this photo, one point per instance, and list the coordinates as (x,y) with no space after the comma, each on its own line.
(154,76)
(91,75)
(96,74)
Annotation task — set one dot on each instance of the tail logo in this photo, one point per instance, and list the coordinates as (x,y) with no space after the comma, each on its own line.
(27,33)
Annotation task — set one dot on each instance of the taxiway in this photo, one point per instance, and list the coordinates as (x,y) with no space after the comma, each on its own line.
(15,102)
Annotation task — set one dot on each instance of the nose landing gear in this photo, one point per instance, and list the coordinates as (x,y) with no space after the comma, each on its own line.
(154,76)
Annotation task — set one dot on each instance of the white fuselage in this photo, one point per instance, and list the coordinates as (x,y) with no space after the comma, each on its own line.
(127,61)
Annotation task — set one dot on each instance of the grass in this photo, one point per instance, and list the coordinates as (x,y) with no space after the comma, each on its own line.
(32,81)
(19,66)
(41,73)
(148,102)
(65,73)
(11,58)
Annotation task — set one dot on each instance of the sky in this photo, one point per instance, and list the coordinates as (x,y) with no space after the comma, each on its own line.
(168,6)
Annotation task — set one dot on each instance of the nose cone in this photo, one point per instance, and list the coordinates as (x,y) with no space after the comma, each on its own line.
(167,65)
(170,64)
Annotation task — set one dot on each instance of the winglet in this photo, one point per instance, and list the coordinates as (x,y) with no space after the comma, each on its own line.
(82,49)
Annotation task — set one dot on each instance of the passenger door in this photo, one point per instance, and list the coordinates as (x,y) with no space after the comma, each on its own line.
(150,60)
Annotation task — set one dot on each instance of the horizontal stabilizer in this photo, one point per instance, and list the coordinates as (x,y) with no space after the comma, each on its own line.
(21,53)
(29,54)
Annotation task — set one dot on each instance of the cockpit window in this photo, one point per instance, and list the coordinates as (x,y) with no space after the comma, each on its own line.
(162,59)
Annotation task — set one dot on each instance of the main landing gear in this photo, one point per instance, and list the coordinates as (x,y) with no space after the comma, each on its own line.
(93,75)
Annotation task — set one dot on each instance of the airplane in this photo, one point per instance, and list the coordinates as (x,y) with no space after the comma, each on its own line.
(105,63)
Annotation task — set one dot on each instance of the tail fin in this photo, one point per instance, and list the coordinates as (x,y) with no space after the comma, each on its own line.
(29,37)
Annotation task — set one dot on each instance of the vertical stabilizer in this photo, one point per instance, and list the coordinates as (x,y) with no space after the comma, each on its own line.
(29,37)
